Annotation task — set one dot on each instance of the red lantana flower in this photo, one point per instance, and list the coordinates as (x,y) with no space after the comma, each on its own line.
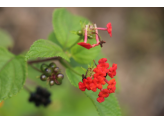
(103,60)
(91,30)
(98,79)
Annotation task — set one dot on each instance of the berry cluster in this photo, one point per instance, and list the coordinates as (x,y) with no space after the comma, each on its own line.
(52,74)
(91,31)
(97,78)
(41,96)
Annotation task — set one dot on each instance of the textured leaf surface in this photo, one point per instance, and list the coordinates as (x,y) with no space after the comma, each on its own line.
(12,74)
(109,107)
(45,48)
(5,39)
(63,23)
(52,37)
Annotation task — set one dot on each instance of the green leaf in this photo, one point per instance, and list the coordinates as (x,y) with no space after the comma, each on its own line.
(5,39)
(63,23)
(83,55)
(109,107)
(45,48)
(52,37)
(13,71)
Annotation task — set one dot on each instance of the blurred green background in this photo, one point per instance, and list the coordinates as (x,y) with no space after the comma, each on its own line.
(137,46)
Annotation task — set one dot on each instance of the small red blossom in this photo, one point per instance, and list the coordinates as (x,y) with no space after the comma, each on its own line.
(114,66)
(102,60)
(93,87)
(100,99)
(109,29)
(104,93)
(101,79)
(97,83)
(112,70)
(99,71)
(103,65)
(87,82)
(85,45)
(111,85)
(81,86)
(112,90)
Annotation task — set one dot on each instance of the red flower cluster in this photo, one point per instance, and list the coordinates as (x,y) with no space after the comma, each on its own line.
(98,79)
(93,29)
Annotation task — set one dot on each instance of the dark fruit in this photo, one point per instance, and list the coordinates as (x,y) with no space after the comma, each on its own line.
(60,76)
(51,82)
(37,103)
(52,65)
(48,71)
(43,77)
(79,32)
(39,90)
(47,102)
(43,67)
(56,69)
(40,97)
(59,79)
(32,97)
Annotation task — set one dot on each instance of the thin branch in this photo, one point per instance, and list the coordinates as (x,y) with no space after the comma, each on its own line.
(27,89)
(43,60)
(35,68)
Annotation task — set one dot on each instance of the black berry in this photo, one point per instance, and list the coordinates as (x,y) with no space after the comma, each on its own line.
(41,96)
(46,102)
(32,97)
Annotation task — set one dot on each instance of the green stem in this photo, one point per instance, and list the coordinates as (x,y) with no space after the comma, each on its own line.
(73,44)
(35,68)
(67,65)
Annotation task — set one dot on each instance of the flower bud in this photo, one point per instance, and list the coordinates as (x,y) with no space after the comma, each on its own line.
(90,36)
(79,32)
